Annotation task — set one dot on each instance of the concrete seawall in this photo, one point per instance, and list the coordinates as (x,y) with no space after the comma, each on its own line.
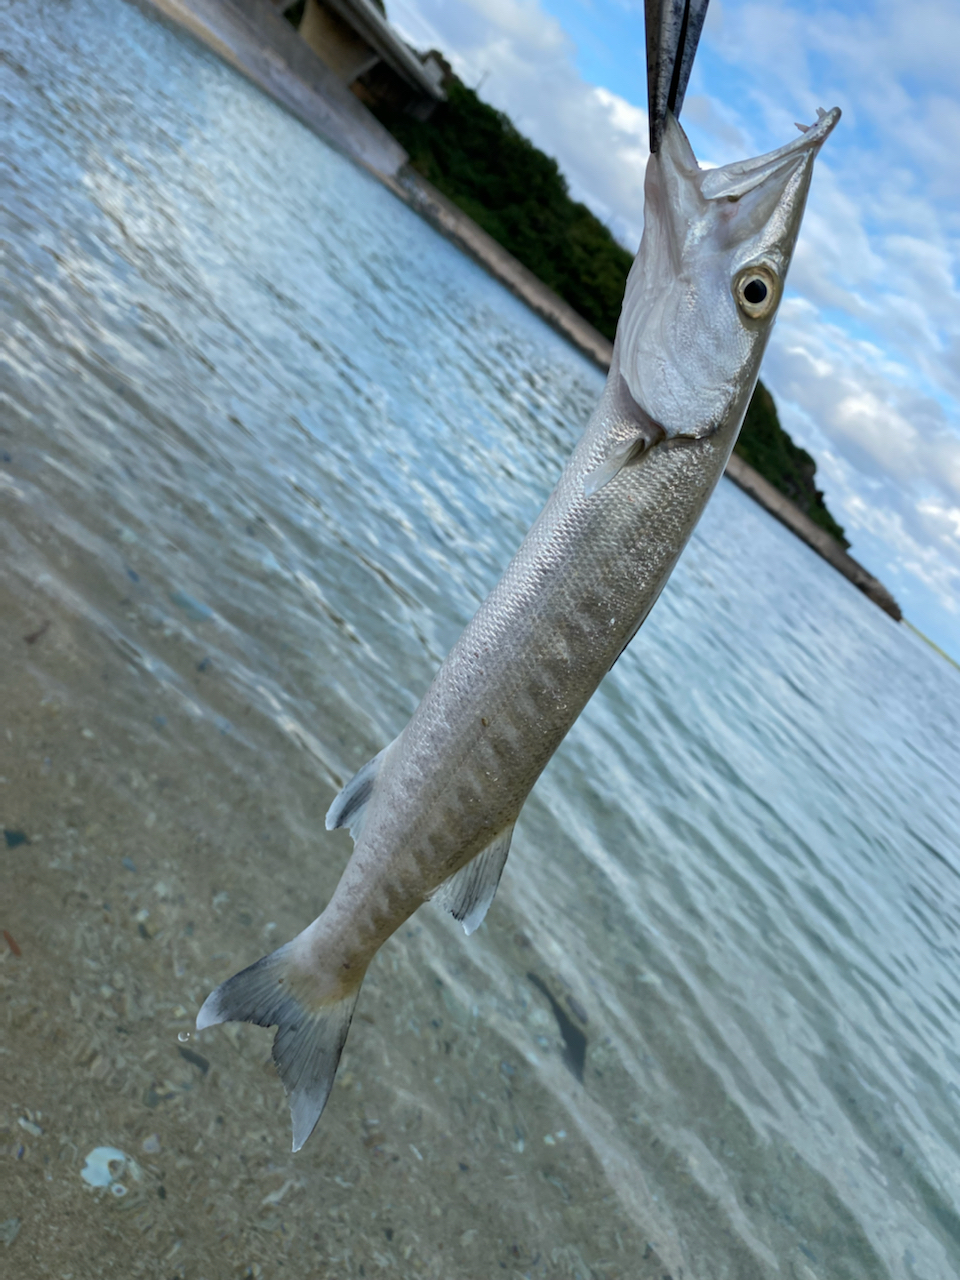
(251,36)
(798,522)
(453,223)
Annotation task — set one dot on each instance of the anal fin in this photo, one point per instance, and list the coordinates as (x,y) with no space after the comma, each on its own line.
(468,893)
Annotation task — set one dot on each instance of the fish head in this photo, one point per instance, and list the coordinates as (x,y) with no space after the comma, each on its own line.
(703,294)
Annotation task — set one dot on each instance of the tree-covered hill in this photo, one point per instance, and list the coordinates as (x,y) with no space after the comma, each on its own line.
(767,447)
(476,156)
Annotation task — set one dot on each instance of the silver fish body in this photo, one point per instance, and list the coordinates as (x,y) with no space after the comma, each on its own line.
(580,585)
(433,814)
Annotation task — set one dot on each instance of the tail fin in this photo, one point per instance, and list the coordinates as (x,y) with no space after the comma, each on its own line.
(310,1035)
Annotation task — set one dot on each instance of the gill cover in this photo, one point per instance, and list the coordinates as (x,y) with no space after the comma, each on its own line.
(703,292)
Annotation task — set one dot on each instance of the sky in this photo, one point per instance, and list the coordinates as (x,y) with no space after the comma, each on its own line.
(864,362)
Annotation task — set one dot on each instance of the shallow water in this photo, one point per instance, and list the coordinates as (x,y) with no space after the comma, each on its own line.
(266,443)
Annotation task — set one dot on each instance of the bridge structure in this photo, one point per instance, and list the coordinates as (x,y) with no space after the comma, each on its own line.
(358,44)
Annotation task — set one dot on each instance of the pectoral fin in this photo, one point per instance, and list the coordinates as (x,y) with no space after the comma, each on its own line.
(469,892)
(613,464)
(641,434)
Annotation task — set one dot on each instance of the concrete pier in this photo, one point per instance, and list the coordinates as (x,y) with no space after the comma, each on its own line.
(253,37)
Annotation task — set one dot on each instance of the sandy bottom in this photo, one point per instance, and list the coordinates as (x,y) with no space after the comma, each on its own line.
(120,912)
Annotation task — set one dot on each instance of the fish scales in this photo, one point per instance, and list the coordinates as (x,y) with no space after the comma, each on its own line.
(433,814)
(581,584)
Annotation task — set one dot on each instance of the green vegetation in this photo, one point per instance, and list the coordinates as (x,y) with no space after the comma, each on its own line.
(767,447)
(479,160)
(476,157)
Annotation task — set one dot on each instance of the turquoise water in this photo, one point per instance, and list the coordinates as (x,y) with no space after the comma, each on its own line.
(258,416)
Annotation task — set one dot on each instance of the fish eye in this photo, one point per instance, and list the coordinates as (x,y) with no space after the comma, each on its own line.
(757,291)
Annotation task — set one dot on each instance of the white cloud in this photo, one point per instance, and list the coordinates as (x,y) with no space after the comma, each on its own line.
(526,65)
(522,22)
(914,555)
(866,361)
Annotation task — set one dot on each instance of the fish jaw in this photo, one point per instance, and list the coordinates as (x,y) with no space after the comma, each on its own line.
(688,349)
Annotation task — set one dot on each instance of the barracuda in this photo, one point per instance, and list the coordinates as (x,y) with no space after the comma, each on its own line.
(433,814)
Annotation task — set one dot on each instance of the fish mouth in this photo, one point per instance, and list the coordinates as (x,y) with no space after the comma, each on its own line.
(732,181)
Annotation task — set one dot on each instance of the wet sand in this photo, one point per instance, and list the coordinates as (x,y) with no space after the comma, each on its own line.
(116,898)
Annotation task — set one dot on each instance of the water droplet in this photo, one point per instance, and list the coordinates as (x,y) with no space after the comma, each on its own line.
(183,1036)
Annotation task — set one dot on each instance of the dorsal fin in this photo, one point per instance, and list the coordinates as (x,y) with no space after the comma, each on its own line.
(469,891)
(350,805)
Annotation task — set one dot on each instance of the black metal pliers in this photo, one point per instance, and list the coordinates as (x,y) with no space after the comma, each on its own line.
(673,32)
